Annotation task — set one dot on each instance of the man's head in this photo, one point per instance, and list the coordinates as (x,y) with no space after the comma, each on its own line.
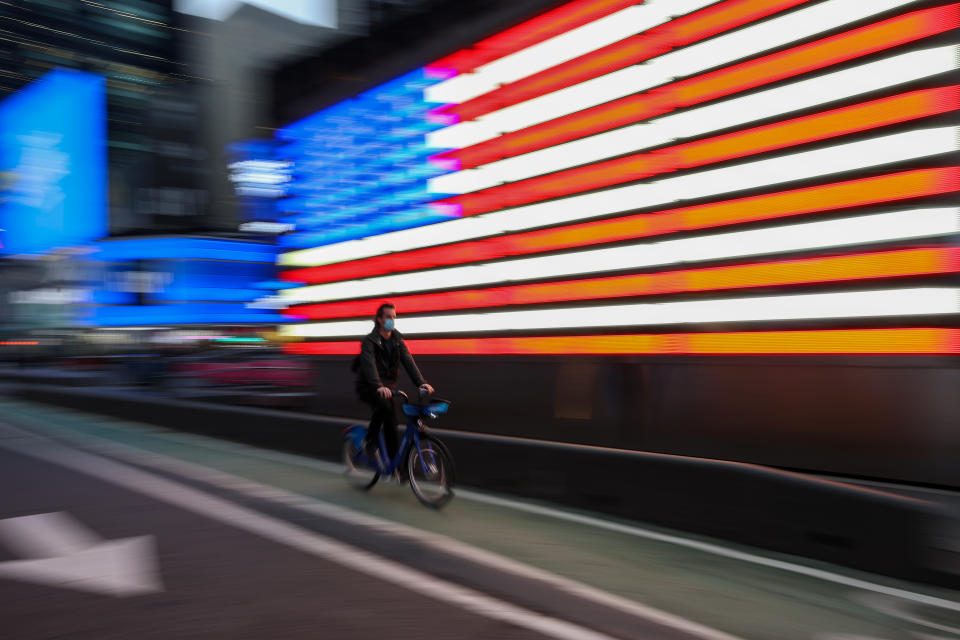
(386,316)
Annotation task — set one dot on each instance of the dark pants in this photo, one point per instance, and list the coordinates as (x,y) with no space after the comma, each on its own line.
(384,416)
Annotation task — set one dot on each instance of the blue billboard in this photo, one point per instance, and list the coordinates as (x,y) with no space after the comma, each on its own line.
(182,281)
(53,180)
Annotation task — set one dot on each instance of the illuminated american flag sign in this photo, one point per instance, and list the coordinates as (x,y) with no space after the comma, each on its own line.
(673,177)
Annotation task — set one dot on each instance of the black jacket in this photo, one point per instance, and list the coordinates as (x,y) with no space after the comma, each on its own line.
(375,366)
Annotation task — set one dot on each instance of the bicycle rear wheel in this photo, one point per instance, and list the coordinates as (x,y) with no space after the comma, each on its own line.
(431,473)
(358,474)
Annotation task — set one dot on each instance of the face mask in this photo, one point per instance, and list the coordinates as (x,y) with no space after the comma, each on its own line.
(388,324)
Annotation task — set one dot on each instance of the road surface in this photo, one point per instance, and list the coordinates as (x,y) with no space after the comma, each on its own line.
(112,529)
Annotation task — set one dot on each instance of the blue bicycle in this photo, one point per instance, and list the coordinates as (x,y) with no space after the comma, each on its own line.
(426,460)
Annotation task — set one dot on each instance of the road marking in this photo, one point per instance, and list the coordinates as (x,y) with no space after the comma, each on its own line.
(712,548)
(214,508)
(896,609)
(591,521)
(61,552)
(449,545)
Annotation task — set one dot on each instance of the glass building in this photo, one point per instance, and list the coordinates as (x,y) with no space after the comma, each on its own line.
(134,45)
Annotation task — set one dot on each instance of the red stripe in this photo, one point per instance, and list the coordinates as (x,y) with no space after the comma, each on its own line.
(553,23)
(928,341)
(810,57)
(820,54)
(830,197)
(821,126)
(865,266)
(594,64)
(677,33)
(777,136)
(584,123)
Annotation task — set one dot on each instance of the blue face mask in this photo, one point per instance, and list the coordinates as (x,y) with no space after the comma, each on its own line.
(388,324)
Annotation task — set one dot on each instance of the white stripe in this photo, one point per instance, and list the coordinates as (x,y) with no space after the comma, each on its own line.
(866,78)
(562,48)
(581,519)
(689,61)
(714,549)
(303,540)
(859,304)
(868,229)
(840,158)
(449,545)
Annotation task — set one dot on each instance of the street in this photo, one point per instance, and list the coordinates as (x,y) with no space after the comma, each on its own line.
(114,529)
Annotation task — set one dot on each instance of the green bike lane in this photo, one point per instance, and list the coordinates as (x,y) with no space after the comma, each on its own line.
(743,597)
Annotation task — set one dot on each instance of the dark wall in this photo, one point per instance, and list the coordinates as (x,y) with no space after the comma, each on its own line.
(391,48)
(880,418)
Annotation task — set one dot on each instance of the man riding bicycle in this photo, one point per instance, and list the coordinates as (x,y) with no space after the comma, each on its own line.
(382,352)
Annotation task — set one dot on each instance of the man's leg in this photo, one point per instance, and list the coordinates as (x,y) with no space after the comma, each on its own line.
(372,440)
(385,417)
(390,427)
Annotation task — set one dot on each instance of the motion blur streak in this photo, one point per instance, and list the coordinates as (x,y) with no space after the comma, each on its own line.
(565,18)
(620,54)
(764,173)
(846,342)
(523,138)
(888,264)
(881,227)
(734,112)
(834,123)
(860,305)
(820,127)
(888,188)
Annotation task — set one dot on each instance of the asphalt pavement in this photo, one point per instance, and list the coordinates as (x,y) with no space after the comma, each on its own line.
(203,578)
(112,529)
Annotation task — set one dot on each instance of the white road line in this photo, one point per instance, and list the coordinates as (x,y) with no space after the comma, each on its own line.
(631,530)
(447,544)
(711,548)
(214,508)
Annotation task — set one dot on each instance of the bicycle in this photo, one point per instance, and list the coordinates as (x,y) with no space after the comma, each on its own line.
(429,465)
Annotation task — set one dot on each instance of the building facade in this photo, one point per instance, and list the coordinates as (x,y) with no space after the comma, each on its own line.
(134,45)
(718,229)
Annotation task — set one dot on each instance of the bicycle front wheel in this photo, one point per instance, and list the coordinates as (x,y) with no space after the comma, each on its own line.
(431,473)
(357,473)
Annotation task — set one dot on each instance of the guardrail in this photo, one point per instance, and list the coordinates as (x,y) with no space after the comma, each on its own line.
(775,510)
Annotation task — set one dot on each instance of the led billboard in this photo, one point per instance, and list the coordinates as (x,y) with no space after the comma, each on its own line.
(181,281)
(53,163)
(665,177)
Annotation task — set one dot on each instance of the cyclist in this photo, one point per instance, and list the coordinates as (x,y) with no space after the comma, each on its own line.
(382,352)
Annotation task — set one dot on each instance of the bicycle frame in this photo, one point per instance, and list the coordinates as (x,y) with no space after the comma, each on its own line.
(411,437)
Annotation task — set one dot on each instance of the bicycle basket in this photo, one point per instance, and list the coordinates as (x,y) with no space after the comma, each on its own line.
(435,408)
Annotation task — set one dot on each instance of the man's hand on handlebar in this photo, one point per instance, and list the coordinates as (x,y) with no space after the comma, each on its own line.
(384,392)
(426,389)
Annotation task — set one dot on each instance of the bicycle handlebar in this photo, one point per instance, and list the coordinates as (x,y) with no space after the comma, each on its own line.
(406,398)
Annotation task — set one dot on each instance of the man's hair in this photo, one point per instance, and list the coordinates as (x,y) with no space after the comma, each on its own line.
(383,307)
